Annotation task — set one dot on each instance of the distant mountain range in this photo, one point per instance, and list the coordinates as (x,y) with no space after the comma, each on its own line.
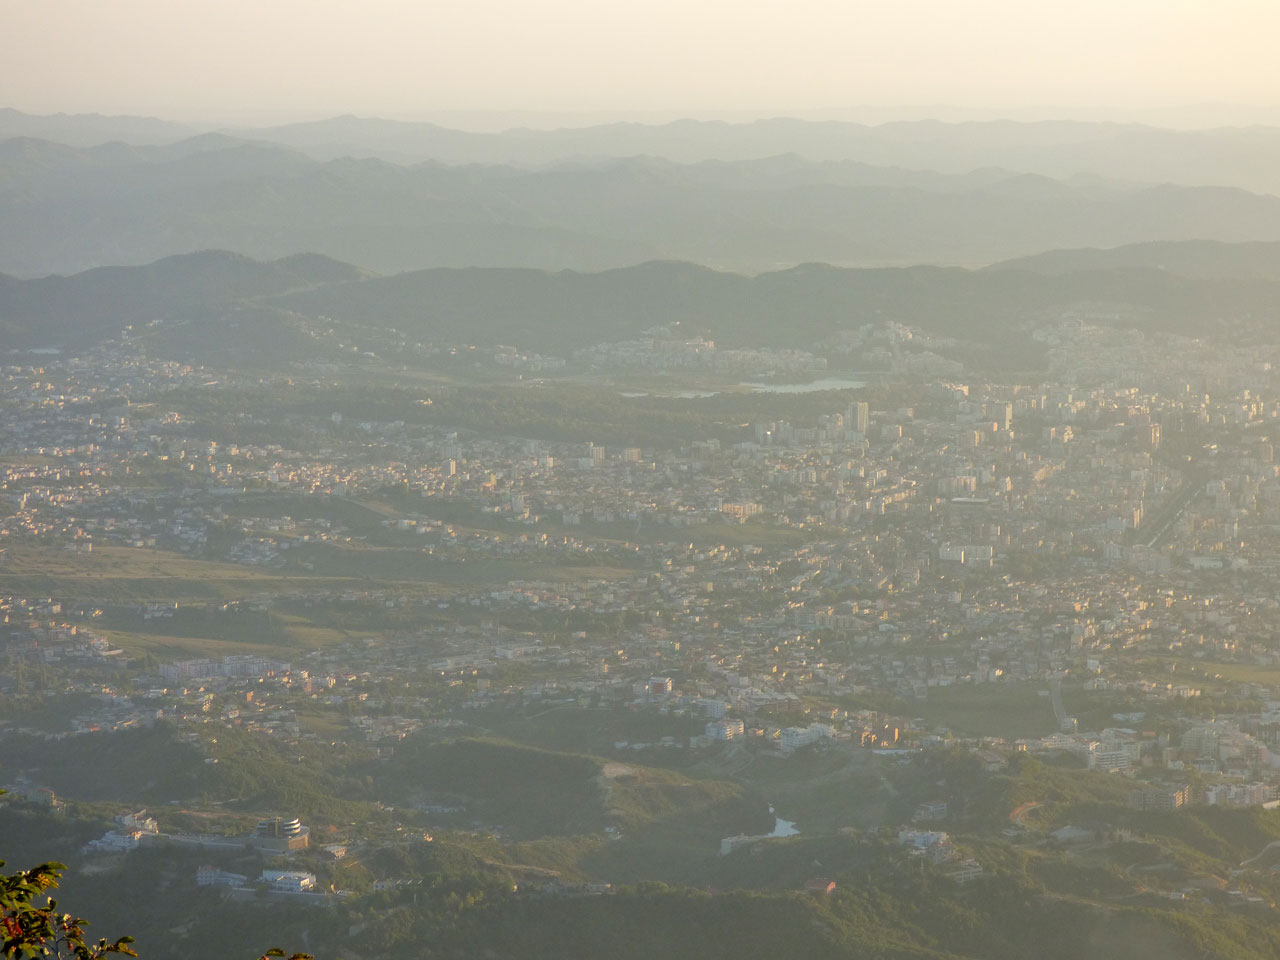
(89,129)
(210,305)
(1248,158)
(1206,258)
(65,209)
(1244,157)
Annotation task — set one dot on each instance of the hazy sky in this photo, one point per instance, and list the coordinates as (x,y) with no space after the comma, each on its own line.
(234,59)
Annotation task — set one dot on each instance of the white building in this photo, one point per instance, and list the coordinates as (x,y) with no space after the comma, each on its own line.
(793,738)
(289,881)
(207,876)
(116,841)
(1109,760)
(922,839)
(726,729)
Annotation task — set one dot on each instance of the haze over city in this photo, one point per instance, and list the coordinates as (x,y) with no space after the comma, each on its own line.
(650,481)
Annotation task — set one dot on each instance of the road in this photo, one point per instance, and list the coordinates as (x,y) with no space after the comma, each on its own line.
(1019,816)
(1191,488)
(1055,695)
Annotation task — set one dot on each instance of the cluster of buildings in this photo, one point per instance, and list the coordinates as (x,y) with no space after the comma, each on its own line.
(1106,535)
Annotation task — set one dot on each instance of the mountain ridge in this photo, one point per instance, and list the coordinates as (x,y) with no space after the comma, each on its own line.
(564,310)
(64,210)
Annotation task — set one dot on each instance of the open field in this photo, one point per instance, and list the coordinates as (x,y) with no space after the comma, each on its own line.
(467,516)
(990,709)
(126,574)
(358,517)
(591,730)
(134,575)
(137,644)
(207,630)
(116,577)
(1201,672)
(416,567)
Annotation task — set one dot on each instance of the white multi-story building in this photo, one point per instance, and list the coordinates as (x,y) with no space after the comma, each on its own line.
(207,876)
(1110,760)
(725,729)
(793,738)
(289,881)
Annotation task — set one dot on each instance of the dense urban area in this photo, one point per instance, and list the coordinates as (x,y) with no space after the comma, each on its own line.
(845,536)
(852,618)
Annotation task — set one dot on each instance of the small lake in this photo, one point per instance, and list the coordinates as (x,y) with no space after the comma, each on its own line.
(672,394)
(827,383)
